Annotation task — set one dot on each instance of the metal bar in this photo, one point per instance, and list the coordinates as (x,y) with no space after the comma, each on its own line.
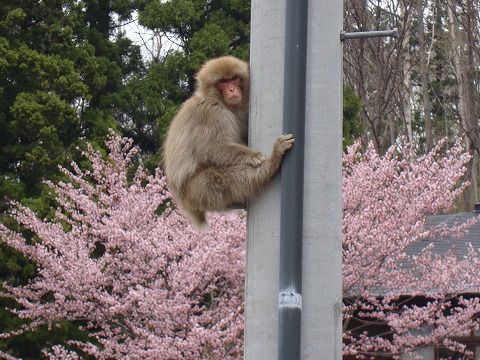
(369,34)
(292,176)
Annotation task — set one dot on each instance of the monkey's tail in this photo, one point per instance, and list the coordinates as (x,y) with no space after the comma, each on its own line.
(197,218)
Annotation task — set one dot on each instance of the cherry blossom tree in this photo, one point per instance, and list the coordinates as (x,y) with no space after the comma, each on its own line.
(397,300)
(122,262)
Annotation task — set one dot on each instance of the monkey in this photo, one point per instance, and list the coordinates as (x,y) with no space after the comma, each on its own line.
(207,163)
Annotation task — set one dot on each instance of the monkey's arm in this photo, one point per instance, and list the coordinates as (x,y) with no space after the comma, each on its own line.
(229,154)
(222,142)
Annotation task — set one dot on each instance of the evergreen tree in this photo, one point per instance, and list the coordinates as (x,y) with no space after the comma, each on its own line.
(63,65)
(60,71)
(351,122)
(197,30)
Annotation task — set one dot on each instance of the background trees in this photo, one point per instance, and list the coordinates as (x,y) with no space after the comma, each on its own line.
(59,75)
(68,72)
(182,35)
(425,84)
(146,286)
(61,68)
(118,260)
(396,299)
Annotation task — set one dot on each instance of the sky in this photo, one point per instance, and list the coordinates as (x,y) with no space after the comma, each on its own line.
(154,45)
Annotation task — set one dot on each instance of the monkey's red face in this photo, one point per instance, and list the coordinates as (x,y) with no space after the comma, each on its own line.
(231,90)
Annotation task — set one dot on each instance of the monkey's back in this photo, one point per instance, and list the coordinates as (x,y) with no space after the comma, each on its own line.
(177,150)
(193,133)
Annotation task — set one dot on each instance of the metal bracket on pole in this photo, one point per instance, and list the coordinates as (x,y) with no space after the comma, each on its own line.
(368,34)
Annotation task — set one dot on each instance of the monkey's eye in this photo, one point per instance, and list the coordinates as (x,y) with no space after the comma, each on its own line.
(227,80)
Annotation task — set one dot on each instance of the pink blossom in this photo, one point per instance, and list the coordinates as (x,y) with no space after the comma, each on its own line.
(411,297)
(145,283)
(121,259)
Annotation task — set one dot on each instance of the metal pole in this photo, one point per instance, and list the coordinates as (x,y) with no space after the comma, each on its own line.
(321,270)
(291,225)
(369,34)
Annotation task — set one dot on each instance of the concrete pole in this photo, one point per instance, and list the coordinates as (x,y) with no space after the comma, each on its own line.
(321,308)
(265,125)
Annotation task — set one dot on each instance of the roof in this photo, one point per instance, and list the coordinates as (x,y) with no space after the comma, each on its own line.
(459,244)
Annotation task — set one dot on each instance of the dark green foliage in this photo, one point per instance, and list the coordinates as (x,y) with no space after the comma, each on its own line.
(199,30)
(351,123)
(28,346)
(60,72)
(63,71)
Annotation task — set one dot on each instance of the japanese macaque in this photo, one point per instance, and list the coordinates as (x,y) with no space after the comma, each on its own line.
(207,162)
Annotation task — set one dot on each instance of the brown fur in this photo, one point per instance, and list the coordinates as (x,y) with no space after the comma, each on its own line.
(207,163)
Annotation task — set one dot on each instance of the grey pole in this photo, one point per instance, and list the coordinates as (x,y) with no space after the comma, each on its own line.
(321,254)
(291,220)
(322,214)
(369,34)
(263,233)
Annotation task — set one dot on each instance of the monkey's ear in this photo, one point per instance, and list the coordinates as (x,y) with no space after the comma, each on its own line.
(197,81)
(206,76)
(209,74)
